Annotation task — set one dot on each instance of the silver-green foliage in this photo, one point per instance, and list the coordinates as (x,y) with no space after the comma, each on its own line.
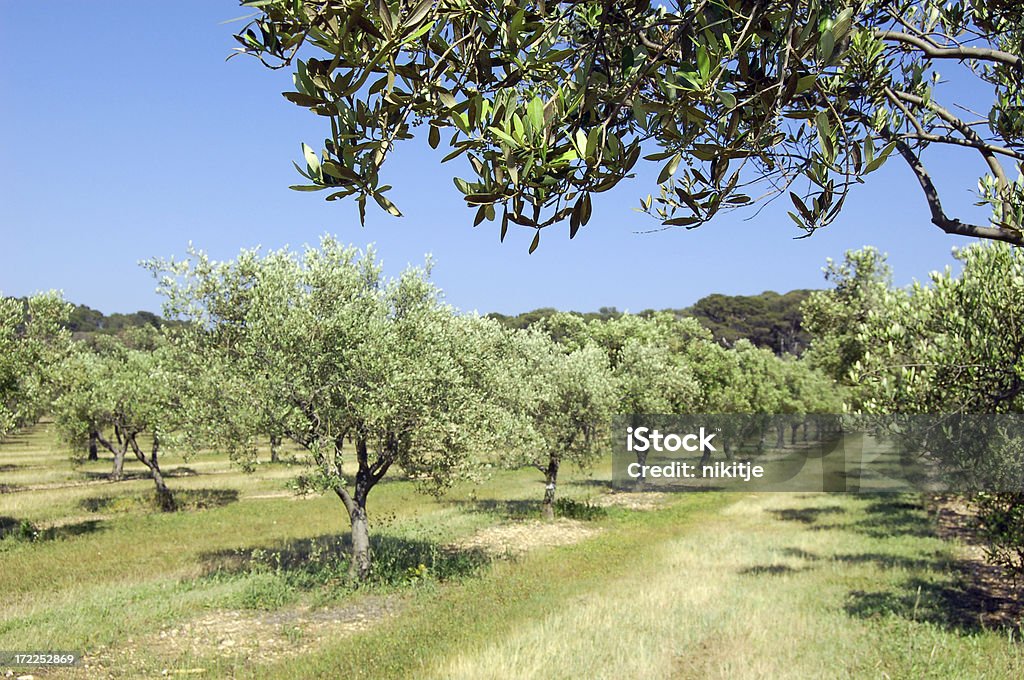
(566,408)
(32,341)
(735,102)
(134,396)
(366,373)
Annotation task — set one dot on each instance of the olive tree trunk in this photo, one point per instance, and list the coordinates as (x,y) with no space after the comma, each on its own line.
(551,482)
(94,452)
(355,503)
(164,497)
(275,448)
(117,472)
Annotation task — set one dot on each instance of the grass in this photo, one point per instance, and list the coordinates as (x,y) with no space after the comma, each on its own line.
(709,585)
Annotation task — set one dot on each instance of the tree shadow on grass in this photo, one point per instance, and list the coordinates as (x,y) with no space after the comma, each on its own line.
(324,560)
(957,606)
(889,517)
(15,438)
(934,561)
(800,553)
(15,529)
(186,499)
(504,509)
(605,484)
(135,475)
(884,517)
(807,515)
(11,526)
(895,517)
(770,570)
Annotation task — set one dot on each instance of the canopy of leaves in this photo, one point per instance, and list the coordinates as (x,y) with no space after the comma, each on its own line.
(32,341)
(954,344)
(570,397)
(737,102)
(952,349)
(134,390)
(317,346)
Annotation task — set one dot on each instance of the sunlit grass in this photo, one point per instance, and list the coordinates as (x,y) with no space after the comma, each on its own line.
(708,586)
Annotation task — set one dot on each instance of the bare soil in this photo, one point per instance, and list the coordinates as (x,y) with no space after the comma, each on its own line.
(648,500)
(516,538)
(256,637)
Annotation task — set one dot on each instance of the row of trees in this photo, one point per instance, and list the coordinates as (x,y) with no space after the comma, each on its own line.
(370,375)
(953,345)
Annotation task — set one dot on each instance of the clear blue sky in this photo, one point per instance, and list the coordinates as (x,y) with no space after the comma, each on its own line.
(124,135)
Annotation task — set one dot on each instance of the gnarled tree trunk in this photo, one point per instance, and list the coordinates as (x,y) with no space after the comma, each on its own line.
(275,448)
(164,497)
(355,503)
(119,451)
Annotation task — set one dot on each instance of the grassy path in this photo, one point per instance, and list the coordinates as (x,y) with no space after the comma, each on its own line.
(766,586)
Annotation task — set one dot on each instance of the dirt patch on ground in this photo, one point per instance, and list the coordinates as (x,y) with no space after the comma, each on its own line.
(516,538)
(256,637)
(651,500)
(1001,601)
(273,494)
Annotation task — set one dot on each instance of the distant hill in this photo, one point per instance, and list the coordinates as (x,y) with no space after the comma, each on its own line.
(770,320)
(85,320)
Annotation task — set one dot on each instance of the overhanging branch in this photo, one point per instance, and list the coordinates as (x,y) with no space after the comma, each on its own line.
(935,52)
(939,217)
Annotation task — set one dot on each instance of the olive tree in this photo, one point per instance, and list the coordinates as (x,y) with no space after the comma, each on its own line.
(32,342)
(367,374)
(738,102)
(861,289)
(567,407)
(131,400)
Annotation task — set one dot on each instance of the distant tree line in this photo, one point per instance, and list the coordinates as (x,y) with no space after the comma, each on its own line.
(769,320)
(84,319)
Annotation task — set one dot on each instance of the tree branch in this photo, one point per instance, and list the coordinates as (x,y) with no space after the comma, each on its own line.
(939,217)
(930,50)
